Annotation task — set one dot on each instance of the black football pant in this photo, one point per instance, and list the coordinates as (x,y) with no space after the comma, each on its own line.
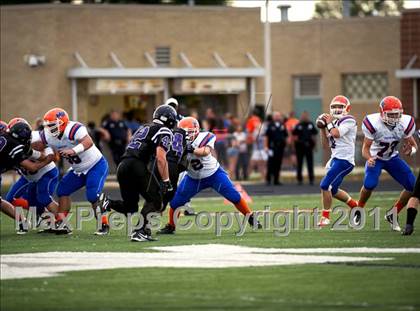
(303,152)
(136,180)
(274,166)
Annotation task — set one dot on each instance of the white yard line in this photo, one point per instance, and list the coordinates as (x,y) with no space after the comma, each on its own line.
(47,264)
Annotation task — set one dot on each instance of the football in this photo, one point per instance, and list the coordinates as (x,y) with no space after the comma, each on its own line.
(321,121)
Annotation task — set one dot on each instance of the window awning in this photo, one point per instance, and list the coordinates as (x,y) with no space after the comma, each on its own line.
(88,72)
(412,73)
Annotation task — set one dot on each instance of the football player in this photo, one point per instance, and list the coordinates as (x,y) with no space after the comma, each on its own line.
(203,172)
(412,205)
(15,150)
(34,188)
(383,133)
(145,154)
(88,167)
(340,132)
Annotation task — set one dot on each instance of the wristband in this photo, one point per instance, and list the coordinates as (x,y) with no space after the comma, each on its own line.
(413,151)
(330,126)
(78,148)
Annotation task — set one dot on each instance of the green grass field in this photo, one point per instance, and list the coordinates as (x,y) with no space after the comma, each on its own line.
(374,285)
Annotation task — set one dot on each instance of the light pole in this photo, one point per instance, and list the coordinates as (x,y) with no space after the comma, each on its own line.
(267,59)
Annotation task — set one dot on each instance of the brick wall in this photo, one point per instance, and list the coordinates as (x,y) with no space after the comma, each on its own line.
(410,45)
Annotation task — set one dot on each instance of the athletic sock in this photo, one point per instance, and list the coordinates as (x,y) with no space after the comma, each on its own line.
(399,206)
(61,216)
(351,203)
(243,207)
(326,214)
(411,215)
(171,217)
(361,204)
(104,220)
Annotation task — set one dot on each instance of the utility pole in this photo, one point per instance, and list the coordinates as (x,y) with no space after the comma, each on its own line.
(267,59)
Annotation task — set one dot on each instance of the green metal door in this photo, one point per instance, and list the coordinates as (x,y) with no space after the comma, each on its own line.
(314,107)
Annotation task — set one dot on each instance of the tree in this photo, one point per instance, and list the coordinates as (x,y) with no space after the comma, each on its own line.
(360,8)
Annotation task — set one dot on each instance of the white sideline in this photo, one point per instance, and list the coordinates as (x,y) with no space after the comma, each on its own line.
(47,264)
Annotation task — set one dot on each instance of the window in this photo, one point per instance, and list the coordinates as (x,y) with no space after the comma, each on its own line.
(307,86)
(365,86)
(163,56)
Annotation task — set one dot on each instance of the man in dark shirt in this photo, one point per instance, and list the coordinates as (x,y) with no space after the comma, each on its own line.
(305,133)
(119,135)
(275,142)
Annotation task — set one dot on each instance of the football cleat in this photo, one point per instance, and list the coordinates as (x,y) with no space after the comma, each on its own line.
(22,230)
(389,217)
(62,229)
(168,229)
(251,222)
(189,211)
(104,230)
(142,235)
(408,230)
(357,218)
(324,222)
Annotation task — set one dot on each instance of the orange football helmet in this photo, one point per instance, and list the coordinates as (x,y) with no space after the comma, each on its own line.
(55,121)
(339,106)
(16,120)
(191,126)
(391,110)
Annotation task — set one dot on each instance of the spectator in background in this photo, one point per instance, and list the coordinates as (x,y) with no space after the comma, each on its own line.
(220,145)
(275,142)
(232,154)
(131,122)
(97,134)
(242,162)
(305,141)
(259,154)
(118,133)
(210,120)
(290,156)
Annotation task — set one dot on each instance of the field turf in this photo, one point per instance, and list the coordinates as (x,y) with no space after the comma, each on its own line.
(374,285)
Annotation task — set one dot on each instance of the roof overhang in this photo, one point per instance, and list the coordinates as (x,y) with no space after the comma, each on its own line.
(408,73)
(86,72)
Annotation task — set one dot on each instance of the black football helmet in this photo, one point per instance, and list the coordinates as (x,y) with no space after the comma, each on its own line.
(22,132)
(166,115)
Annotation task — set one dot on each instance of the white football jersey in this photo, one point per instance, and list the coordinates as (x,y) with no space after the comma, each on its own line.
(344,147)
(385,138)
(202,167)
(34,177)
(74,132)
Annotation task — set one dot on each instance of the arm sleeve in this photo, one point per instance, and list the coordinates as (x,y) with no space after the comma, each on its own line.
(366,132)
(411,128)
(346,126)
(80,133)
(36,137)
(163,138)
(211,142)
